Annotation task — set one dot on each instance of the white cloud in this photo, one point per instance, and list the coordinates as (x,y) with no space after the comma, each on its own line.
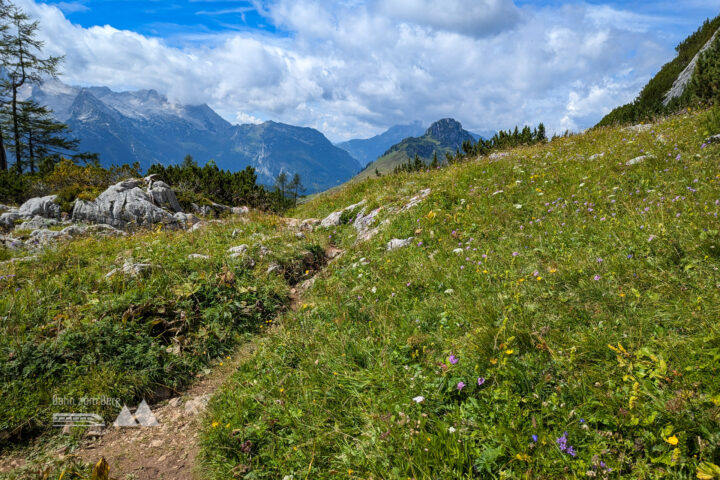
(353,68)
(244,118)
(471,17)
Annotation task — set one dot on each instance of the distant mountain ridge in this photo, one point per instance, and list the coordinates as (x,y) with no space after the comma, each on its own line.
(143,126)
(443,136)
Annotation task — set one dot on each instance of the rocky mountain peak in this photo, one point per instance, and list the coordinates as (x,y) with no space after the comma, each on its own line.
(448,132)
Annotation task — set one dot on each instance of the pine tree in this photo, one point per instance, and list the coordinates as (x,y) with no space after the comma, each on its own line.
(45,139)
(541,134)
(434,164)
(20,52)
(296,187)
(281,182)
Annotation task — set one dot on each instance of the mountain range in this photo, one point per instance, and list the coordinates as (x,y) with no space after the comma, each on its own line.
(144,127)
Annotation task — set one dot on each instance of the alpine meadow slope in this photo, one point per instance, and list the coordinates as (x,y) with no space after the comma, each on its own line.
(553,316)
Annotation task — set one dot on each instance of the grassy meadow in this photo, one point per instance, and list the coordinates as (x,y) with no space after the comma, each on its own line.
(556,316)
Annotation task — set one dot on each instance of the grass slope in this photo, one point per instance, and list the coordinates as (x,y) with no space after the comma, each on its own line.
(555,317)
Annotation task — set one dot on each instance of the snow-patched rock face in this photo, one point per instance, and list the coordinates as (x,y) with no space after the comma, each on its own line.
(45,207)
(123,205)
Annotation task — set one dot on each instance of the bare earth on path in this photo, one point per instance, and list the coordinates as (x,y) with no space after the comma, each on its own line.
(169,450)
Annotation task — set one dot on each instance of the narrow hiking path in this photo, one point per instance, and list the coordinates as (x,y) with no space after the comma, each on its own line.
(169,451)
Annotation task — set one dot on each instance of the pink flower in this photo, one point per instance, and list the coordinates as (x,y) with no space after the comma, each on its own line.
(481,380)
(453,359)
(460,386)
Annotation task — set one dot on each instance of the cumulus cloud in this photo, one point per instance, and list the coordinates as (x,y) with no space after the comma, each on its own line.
(353,68)
(471,17)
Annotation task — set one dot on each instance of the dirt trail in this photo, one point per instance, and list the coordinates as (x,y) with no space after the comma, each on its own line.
(169,450)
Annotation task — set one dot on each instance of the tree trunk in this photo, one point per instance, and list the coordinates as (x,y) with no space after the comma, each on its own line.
(3,154)
(16,131)
(30,152)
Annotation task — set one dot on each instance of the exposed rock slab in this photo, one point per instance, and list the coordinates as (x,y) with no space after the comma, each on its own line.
(123,205)
(45,207)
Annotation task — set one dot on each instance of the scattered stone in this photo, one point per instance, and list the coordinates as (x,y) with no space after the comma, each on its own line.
(639,128)
(274,267)
(416,200)
(196,405)
(175,402)
(45,207)
(264,251)
(596,156)
(713,139)
(37,223)
(240,249)
(8,220)
(300,235)
(197,226)
(333,220)
(197,256)
(187,219)
(495,156)
(240,210)
(396,243)
(130,269)
(458,251)
(638,160)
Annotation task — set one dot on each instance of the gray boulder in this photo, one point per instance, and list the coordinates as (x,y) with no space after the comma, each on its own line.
(41,206)
(333,220)
(396,243)
(123,205)
(162,195)
(37,223)
(8,220)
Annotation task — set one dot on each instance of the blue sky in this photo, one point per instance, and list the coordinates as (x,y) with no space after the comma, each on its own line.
(352,68)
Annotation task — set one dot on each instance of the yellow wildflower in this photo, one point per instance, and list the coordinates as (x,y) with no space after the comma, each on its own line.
(672,440)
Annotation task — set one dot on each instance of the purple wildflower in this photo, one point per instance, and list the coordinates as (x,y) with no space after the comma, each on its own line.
(481,380)
(534,438)
(596,277)
(460,386)
(453,359)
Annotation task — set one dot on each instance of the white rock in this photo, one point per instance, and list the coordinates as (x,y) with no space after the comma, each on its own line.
(396,243)
(123,205)
(43,206)
(458,251)
(638,160)
(198,256)
(240,249)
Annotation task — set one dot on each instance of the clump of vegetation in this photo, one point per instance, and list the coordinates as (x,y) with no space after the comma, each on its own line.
(554,317)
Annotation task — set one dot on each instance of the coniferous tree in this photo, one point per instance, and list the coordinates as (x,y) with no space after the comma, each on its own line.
(281,182)
(22,60)
(296,187)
